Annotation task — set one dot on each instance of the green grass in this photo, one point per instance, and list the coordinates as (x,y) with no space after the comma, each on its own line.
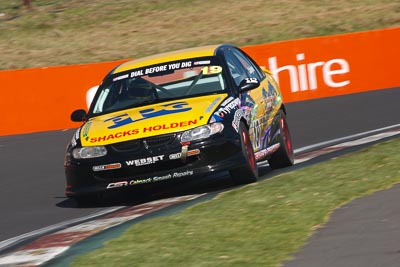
(261,224)
(60,32)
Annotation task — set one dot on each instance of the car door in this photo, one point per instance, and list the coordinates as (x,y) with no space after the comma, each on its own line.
(263,106)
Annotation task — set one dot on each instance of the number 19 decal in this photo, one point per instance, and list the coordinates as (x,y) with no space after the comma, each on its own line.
(211,70)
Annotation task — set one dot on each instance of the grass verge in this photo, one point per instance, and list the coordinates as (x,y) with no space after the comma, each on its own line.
(257,225)
(62,32)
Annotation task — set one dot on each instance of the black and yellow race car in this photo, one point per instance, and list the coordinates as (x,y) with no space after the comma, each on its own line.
(176,115)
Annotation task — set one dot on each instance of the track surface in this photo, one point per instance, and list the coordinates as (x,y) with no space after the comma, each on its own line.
(364,232)
(31,170)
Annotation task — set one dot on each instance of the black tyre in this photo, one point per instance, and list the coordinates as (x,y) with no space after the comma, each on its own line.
(247,173)
(283,157)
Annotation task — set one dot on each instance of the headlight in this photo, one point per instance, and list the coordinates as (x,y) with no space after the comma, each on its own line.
(202,132)
(89,152)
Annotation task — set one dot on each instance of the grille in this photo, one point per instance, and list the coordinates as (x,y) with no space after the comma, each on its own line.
(157,141)
(126,146)
(151,142)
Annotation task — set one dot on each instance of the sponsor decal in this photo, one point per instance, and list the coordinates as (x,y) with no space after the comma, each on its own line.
(161,68)
(172,176)
(202,62)
(226,108)
(247,100)
(265,152)
(140,181)
(114,136)
(117,184)
(119,121)
(264,92)
(144,161)
(239,114)
(267,134)
(162,178)
(155,69)
(215,118)
(271,96)
(189,153)
(149,113)
(151,179)
(169,126)
(85,130)
(271,88)
(213,104)
(175,156)
(137,73)
(107,167)
(193,152)
(256,132)
(182,174)
(226,101)
(146,129)
(121,77)
(251,80)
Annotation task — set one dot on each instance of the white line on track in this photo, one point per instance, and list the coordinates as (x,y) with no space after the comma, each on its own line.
(345,139)
(9,242)
(50,246)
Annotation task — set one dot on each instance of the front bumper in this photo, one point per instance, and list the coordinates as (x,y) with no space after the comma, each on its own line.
(144,164)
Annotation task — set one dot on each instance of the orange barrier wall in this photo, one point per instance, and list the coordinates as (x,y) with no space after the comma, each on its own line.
(333,65)
(42,99)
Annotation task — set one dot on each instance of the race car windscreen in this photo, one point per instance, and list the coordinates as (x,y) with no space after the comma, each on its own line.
(159,83)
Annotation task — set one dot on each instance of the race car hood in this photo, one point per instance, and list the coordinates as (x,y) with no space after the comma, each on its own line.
(150,120)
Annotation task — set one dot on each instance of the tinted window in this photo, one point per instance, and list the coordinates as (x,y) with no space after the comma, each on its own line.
(235,68)
(251,69)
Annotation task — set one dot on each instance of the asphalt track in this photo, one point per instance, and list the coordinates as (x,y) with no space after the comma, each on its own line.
(31,171)
(362,233)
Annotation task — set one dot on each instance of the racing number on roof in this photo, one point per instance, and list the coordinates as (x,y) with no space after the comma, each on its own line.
(211,70)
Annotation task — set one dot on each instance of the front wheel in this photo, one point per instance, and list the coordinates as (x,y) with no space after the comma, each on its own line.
(283,157)
(247,173)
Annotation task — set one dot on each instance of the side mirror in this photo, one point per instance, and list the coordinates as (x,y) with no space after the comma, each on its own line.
(78,115)
(249,84)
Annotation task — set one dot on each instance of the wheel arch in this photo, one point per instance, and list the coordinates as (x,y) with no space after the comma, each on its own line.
(245,123)
(283,108)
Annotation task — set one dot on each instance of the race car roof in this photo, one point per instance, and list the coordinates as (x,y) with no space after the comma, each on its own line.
(202,51)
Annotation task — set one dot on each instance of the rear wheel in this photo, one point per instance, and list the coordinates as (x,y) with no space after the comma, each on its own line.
(247,173)
(283,157)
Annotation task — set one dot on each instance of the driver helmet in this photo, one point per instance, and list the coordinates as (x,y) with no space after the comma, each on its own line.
(140,89)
